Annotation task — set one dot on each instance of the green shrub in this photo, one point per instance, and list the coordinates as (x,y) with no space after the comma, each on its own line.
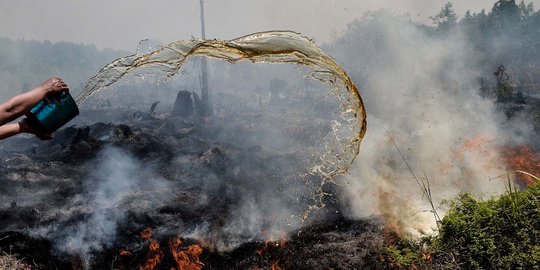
(499,233)
(405,255)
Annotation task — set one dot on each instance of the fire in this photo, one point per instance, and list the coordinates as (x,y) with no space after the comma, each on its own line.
(187,258)
(271,242)
(477,143)
(525,161)
(276,266)
(124,252)
(146,233)
(483,148)
(426,256)
(273,245)
(263,248)
(520,160)
(390,208)
(154,257)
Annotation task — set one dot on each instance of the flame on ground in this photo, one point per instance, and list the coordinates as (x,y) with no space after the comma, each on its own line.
(146,233)
(389,210)
(271,242)
(523,160)
(154,257)
(478,157)
(186,258)
(276,266)
(124,252)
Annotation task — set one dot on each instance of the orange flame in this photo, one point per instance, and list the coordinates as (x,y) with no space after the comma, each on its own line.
(477,143)
(146,233)
(389,207)
(517,158)
(124,252)
(427,257)
(271,242)
(262,249)
(154,257)
(525,159)
(276,266)
(186,258)
(480,146)
(282,242)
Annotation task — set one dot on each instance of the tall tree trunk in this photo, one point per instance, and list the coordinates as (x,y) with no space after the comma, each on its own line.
(205,97)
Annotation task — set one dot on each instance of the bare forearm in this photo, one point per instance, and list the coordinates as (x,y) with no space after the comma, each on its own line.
(20,104)
(9,130)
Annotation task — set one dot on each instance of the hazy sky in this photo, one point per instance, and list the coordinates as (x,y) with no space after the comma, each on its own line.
(120,24)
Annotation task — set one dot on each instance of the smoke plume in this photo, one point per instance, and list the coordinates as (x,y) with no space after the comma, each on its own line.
(422,100)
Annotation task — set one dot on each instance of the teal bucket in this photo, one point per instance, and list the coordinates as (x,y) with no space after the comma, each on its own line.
(53,112)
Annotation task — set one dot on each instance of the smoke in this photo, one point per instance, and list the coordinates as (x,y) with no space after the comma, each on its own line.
(264,149)
(117,184)
(422,96)
(114,178)
(238,176)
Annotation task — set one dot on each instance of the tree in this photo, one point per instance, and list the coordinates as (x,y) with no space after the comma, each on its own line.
(446,19)
(504,86)
(505,13)
(525,10)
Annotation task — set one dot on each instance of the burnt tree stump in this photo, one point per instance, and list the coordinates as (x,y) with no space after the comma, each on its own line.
(183,106)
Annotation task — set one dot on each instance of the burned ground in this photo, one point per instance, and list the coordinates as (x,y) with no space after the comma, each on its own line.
(181,176)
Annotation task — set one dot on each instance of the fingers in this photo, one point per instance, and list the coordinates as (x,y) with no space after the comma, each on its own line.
(62,85)
(56,84)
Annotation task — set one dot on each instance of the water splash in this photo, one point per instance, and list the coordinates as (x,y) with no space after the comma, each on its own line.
(279,47)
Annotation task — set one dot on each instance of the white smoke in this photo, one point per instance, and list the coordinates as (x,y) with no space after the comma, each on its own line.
(421,93)
(117,183)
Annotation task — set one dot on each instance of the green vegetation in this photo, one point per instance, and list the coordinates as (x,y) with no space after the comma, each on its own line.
(497,233)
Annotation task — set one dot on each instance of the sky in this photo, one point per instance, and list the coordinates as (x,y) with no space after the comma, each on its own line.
(121,24)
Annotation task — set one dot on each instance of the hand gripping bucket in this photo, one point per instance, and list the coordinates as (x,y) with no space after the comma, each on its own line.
(53,112)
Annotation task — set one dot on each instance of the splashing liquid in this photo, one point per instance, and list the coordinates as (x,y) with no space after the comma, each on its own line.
(277,47)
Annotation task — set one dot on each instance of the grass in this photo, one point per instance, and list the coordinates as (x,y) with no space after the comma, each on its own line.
(422,182)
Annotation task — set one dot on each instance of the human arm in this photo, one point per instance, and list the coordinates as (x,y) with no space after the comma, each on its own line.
(23,126)
(13,129)
(9,130)
(20,104)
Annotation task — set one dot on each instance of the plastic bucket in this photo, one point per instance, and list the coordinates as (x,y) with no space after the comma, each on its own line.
(53,112)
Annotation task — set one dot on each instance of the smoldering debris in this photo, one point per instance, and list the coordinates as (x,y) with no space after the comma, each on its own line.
(90,191)
(244,175)
(338,243)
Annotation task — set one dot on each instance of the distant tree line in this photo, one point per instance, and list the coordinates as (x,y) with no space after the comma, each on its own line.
(507,40)
(501,45)
(25,63)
